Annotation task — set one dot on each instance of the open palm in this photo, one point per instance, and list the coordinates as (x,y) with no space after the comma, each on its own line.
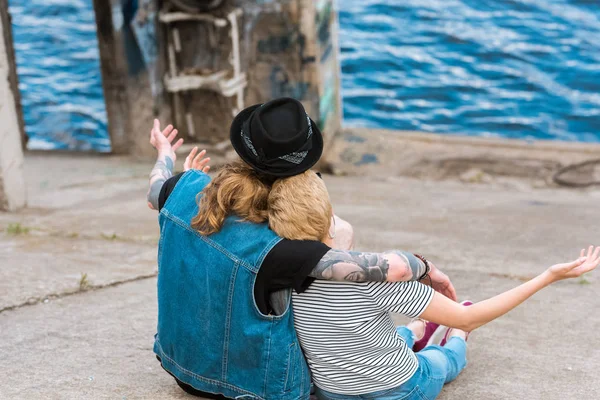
(197,161)
(585,263)
(163,140)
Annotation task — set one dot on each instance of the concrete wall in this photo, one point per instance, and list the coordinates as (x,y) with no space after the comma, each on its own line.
(12,186)
(292,50)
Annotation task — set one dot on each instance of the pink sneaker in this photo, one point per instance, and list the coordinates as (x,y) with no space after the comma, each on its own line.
(430,328)
(465,303)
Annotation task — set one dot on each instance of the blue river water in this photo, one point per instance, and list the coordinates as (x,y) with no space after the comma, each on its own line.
(58,64)
(526,69)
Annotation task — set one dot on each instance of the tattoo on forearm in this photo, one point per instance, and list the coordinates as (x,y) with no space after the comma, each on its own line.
(416,266)
(342,265)
(163,170)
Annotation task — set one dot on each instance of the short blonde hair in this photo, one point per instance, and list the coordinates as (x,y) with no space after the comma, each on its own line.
(299,207)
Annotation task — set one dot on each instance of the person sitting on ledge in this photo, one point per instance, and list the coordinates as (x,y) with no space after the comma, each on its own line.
(352,346)
(225,327)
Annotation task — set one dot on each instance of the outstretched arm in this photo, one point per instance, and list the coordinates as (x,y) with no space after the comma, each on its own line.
(163,169)
(446,312)
(391,266)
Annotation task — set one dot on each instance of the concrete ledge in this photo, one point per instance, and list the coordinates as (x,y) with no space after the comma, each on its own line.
(363,151)
(549,145)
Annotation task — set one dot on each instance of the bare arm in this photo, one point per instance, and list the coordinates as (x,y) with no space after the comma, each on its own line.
(354,266)
(163,170)
(446,312)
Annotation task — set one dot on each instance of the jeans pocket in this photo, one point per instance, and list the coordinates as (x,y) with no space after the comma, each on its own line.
(418,394)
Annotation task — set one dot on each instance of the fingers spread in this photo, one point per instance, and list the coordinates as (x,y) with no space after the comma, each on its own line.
(167,130)
(177,144)
(200,162)
(206,169)
(192,153)
(172,135)
(596,253)
(199,156)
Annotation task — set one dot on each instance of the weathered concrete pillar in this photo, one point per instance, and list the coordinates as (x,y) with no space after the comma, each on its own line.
(127,42)
(291,48)
(12,185)
(187,67)
(287,47)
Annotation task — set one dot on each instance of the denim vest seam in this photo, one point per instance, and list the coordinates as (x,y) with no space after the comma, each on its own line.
(206,240)
(177,184)
(287,370)
(204,379)
(266,251)
(302,390)
(268,358)
(160,244)
(228,322)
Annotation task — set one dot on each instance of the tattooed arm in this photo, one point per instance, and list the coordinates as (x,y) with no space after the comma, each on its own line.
(391,266)
(163,169)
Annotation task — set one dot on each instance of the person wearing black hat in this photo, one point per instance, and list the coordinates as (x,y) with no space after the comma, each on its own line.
(224,281)
(277,138)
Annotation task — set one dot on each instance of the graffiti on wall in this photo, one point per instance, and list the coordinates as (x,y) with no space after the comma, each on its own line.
(294,39)
(281,52)
(328,67)
(283,86)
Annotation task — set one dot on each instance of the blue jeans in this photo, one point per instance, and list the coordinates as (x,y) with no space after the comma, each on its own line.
(437,365)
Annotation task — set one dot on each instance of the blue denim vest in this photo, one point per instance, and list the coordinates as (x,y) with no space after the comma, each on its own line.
(211,334)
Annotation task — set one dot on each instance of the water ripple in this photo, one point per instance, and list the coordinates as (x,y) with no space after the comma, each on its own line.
(505,68)
(521,69)
(59,74)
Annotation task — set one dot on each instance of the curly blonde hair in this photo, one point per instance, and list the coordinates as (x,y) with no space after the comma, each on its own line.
(237,189)
(299,207)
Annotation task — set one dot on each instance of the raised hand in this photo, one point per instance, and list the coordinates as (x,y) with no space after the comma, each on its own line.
(585,263)
(196,161)
(162,140)
(163,169)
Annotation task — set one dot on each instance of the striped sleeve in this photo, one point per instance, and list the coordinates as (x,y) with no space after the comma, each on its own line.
(407,298)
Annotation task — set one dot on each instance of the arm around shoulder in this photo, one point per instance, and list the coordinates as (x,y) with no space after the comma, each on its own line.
(354,266)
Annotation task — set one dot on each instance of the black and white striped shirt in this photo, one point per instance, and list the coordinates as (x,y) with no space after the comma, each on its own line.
(349,338)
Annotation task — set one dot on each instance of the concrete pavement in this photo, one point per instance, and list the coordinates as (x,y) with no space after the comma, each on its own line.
(78,298)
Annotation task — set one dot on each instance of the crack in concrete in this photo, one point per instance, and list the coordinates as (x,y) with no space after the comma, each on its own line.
(108,236)
(90,288)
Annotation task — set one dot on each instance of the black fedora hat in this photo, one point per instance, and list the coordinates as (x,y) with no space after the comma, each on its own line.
(277,138)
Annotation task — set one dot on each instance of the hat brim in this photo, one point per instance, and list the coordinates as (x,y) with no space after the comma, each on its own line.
(313,156)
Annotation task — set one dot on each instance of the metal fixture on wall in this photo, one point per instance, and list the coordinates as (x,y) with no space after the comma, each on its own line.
(226,81)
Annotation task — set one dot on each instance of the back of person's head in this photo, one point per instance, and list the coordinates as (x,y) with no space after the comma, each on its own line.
(299,207)
(236,190)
